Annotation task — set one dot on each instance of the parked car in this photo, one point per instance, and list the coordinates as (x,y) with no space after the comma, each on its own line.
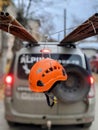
(94,63)
(24,106)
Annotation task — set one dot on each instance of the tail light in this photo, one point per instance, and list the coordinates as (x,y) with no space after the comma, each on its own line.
(45,50)
(91,80)
(9,79)
(92,88)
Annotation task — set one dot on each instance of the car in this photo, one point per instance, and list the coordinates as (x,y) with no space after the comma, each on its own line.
(94,63)
(24,106)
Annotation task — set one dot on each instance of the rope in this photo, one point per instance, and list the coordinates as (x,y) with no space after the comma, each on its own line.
(68,29)
(57,32)
(10,24)
(93,26)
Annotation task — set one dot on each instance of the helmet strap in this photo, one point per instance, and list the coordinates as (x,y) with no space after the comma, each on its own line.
(51,100)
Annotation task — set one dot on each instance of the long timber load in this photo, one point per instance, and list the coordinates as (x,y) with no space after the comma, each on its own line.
(87,29)
(12,26)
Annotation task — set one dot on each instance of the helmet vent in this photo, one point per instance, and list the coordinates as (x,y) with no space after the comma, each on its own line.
(58,67)
(55,67)
(51,69)
(43,75)
(47,71)
(39,83)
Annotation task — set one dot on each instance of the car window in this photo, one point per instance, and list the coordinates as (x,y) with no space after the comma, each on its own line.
(26,61)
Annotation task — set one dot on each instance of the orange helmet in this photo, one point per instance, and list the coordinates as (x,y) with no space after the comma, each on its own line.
(44,74)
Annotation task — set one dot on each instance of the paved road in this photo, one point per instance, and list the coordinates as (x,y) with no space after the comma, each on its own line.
(4,126)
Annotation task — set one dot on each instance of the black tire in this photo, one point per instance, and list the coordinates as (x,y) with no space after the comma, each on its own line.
(11,124)
(76,87)
(86,125)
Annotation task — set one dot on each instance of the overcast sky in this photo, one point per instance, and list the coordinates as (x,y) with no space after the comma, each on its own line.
(78,9)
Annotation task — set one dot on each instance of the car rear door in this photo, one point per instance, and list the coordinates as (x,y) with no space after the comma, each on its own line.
(24,100)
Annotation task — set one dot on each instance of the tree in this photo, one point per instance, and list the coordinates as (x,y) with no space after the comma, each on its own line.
(29,10)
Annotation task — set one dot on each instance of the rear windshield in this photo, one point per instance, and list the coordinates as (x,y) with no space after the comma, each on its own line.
(26,61)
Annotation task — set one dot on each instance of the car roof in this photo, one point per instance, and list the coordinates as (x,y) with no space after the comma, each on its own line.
(53,47)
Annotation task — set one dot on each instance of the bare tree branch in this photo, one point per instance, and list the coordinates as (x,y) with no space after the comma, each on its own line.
(28,7)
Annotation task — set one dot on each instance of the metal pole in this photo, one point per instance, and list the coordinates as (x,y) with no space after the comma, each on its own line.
(64,22)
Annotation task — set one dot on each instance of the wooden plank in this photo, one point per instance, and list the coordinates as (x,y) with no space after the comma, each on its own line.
(87,29)
(11,25)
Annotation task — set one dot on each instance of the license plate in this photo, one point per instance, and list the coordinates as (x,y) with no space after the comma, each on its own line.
(32,96)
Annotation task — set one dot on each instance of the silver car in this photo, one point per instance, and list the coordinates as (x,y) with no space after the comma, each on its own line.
(24,106)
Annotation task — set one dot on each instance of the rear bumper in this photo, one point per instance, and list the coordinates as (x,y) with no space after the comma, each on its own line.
(58,119)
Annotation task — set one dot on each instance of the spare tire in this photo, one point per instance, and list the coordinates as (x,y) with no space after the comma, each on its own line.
(75,88)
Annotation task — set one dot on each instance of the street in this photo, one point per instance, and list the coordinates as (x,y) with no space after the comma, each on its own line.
(4,125)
